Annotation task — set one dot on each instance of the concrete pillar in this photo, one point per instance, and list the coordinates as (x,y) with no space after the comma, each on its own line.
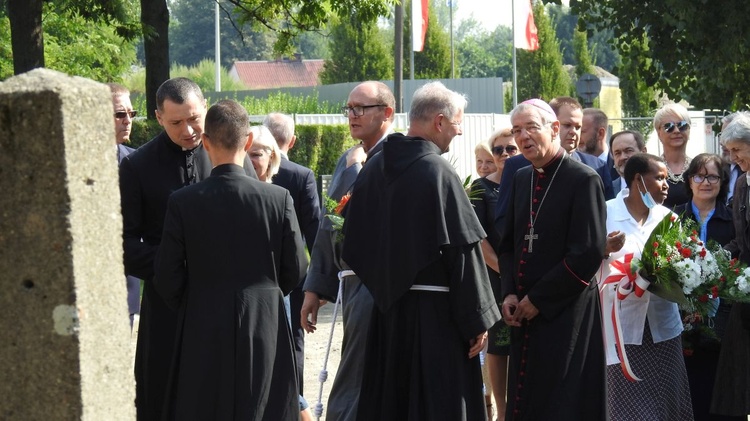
(64,352)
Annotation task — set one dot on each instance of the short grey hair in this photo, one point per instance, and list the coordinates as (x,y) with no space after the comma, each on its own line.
(738,130)
(281,127)
(434,98)
(729,117)
(673,108)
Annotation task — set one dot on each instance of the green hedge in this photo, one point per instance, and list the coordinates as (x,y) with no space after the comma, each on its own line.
(143,130)
(318,147)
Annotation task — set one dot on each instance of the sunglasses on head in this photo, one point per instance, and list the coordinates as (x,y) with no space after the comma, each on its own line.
(123,114)
(680,125)
(498,150)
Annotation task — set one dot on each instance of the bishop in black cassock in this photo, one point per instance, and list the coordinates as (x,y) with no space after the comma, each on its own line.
(552,245)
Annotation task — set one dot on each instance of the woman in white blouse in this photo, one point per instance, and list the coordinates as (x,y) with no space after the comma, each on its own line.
(650,326)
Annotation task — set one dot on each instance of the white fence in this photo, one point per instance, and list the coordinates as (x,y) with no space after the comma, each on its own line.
(476,128)
(479,127)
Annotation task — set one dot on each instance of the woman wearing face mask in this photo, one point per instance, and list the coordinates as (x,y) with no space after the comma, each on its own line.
(672,125)
(503,146)
(650,325)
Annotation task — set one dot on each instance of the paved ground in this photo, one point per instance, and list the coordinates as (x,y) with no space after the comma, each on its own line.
(315,351)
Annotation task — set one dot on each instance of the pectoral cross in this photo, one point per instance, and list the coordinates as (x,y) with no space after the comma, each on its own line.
(531,237)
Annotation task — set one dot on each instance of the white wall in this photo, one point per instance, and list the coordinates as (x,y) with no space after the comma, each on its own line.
(478,128)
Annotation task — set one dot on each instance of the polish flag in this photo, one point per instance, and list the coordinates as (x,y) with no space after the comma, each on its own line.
(525,36)
(418,23)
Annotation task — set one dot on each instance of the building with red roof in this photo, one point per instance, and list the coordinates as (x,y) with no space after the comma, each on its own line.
(280,73)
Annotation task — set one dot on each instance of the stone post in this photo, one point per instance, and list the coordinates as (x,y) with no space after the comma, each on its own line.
(65,351)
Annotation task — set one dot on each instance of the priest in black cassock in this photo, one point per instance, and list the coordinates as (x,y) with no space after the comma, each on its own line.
(412,237)
(168,162)
(552,245)
(231,249)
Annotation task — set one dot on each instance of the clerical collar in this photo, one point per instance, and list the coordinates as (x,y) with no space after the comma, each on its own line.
(554,159)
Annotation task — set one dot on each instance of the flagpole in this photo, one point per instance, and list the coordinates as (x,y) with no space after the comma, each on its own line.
(217,52)
(513,30)
(411,44)
(453,56)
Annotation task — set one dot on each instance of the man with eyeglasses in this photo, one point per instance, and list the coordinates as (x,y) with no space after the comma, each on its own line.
(124,114)
(551,249)
(370,109)
(570,116)
(173,159)
(412,236)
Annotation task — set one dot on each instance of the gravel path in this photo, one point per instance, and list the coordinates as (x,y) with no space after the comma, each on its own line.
(315,351)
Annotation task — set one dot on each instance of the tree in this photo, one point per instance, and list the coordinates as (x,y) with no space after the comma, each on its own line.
(696,46)
(288,18)
(358,52)
(638,97)
(314,44)
(191,35)
(581,53)
(483,54)
(603,54)
(73,44)
(26,34)
(155,20)
(27,37)
(540,72)
(434,61)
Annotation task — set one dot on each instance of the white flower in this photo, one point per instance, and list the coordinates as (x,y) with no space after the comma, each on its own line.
(742,284)
(709,266)
(690,274)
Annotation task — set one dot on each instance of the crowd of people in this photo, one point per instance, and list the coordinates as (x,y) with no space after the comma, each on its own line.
(218,224)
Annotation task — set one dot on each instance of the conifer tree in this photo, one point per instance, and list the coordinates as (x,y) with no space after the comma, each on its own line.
(540,72)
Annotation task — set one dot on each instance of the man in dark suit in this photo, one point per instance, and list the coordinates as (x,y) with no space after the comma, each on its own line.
(570,115)
(231,249)
(623,145)
(594,138)
(170,161)
(300,182)
(370,109)
(124,115)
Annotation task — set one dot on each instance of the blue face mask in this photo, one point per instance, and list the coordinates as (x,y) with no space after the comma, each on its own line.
(648,200)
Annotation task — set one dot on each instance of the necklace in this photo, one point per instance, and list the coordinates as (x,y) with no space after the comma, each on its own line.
(530,237)
(676,178)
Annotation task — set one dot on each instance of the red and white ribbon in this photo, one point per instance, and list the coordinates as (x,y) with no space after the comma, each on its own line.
(627,282)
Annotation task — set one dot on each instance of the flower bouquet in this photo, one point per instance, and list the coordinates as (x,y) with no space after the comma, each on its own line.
(683,269)
(333,213)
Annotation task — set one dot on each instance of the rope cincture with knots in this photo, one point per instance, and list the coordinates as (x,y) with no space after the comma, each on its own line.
(323,376)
